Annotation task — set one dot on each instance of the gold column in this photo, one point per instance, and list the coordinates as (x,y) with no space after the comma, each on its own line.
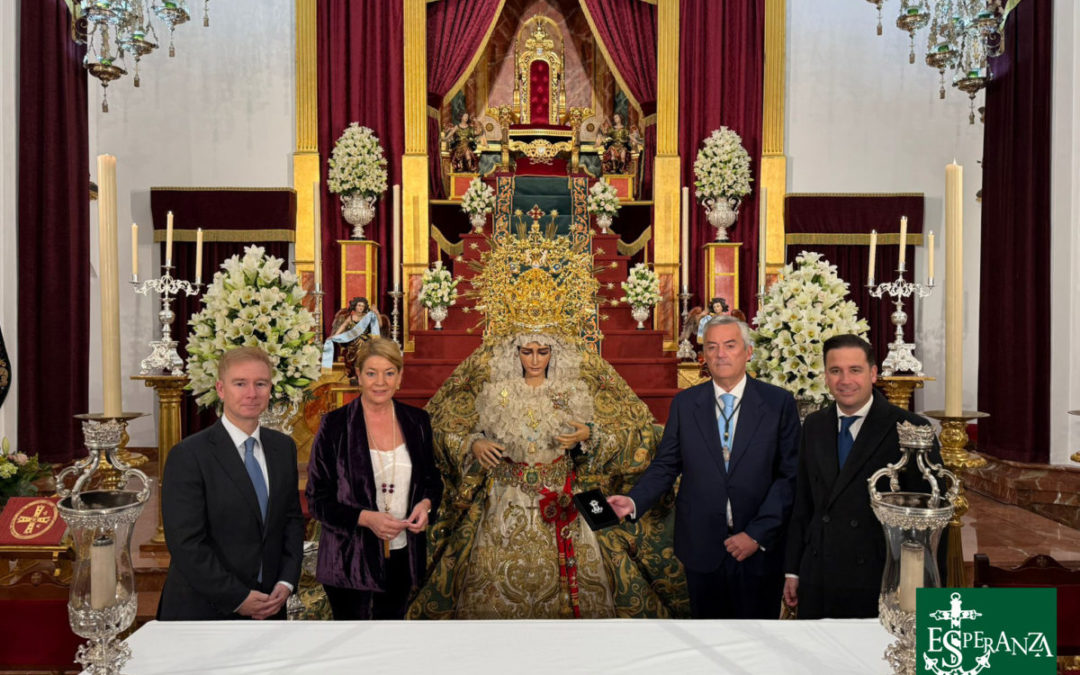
(170,391)
(667,174)
(773,160)
(306,157)
(414,164)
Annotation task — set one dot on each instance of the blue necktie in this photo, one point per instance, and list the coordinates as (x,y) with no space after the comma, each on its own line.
(726,424)
(845,440)
(255,473)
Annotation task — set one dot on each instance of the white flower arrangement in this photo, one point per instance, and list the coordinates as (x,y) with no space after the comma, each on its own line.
(642,287)
(722,167)
(479,198)
(603,198)
(253,303)
(802,310)
(439,287)
(357,164)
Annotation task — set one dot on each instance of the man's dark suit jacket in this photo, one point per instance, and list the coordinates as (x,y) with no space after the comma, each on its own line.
(760,479)
(214,530)
(835,544)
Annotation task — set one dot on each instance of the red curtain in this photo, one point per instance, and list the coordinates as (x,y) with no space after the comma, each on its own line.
(455,32)
(851,214)
(627,31)
(1014,375)
(721,69)
(54,234)
(361,79)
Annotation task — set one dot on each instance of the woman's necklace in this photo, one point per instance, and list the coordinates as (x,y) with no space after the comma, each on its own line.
(387,486)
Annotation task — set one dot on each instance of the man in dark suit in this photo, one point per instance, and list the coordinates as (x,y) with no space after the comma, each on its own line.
(734,441)
(231,508)
(836,546)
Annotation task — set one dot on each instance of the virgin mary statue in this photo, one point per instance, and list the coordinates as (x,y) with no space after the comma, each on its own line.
(532,417)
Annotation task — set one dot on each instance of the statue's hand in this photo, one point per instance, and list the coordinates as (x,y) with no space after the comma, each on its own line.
(487,452)
(581,433)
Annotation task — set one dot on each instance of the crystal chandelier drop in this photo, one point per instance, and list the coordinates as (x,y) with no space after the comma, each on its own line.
(116,29)
(963,36)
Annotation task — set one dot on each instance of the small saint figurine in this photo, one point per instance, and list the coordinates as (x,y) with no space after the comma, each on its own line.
(461,139)
(717,307)
(352,326)
(618,143)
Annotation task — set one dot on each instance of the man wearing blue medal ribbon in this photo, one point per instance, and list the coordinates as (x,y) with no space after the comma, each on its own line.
(734,440)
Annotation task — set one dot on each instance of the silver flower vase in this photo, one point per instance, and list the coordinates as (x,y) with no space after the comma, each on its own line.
(358,211)
(477,220)
(640,314)
(721,214)
(603,221)
(438,315)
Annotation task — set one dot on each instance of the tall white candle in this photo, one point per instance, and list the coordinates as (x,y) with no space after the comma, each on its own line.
(954,289)
(134,252)
(873,258)
(903,242)
(911,574)
(198,255)
(762,240)
(109,279)
(317,228)
(397,238)
(930,259)
(102,565)
(684,235)
(168,238)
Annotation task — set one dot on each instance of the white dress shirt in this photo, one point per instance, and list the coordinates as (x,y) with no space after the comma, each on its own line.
(861,413)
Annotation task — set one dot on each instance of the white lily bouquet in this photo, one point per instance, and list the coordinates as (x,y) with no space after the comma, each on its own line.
(439,287)
(479,198)
(802,310)
(642,287)
(253,303)
(357,165)
(722,167)
(603,199)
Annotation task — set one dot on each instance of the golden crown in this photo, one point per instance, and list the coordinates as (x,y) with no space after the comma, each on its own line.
(535,281)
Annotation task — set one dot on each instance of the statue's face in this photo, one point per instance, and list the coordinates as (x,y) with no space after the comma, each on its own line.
(618,119)
(464,118)
(717,308)
(535,358)
(361,307)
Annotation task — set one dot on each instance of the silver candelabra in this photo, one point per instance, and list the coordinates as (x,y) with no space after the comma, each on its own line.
(900,358)
(164,356)
(686,350)
(396,294)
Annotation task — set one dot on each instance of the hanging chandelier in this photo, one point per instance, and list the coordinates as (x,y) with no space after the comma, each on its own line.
(963,36)
(117,29)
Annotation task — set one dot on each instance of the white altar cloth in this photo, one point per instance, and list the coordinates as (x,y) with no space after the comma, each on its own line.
(830,647)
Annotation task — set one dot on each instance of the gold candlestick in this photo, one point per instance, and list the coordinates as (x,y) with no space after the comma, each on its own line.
(170,391)
(954,439)
(899,388)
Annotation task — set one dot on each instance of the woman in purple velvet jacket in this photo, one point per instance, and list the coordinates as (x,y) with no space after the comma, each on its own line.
(373,485)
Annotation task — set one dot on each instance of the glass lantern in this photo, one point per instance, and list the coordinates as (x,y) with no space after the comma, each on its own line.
(913,523)
(102,602)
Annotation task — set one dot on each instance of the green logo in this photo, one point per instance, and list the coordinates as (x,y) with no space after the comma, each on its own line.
(964,631)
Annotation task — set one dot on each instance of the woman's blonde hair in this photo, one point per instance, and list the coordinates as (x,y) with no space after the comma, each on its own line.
(378,346)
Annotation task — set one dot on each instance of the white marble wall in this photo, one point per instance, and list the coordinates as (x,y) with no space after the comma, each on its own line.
(1065,236)
(861,119)
(9,210)
(221,113)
